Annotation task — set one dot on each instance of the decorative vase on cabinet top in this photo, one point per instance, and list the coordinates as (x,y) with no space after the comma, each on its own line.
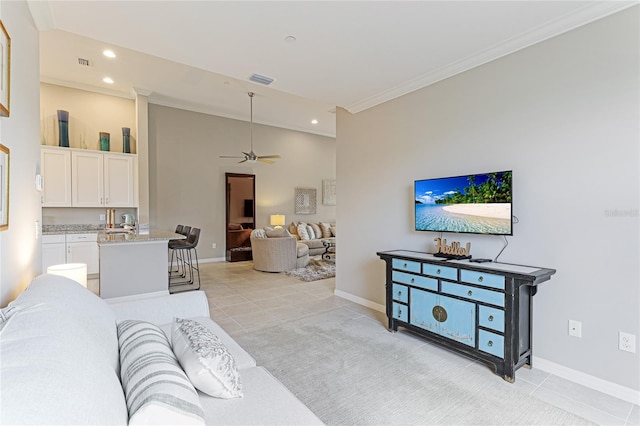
(126,142)
(104,141)
(63,128)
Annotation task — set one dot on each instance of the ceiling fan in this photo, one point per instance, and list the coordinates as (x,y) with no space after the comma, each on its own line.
(251,157)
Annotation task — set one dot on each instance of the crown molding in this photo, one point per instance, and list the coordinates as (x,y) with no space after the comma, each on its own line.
(86,87)
(41,14)
(583,16)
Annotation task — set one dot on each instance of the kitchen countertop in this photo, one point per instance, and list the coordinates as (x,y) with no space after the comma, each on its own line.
(71,229)
(153,235)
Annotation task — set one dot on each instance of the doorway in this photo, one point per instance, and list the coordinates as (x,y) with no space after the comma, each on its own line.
(240,215)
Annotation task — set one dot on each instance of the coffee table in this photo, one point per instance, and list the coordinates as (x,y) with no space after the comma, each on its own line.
(329,248)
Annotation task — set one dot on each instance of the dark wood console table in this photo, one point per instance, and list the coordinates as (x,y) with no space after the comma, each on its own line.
(483,310)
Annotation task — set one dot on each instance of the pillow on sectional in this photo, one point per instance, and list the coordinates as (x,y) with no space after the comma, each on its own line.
(326,230)
(258,233)
(333,230)
(316,230)
(293,230)
(156,389)
(206,360)
(311,232)
(302,231)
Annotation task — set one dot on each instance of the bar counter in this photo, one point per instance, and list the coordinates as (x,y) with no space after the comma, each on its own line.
(133,264)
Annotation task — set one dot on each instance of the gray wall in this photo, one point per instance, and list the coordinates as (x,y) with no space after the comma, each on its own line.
(563,115)
(19,248)
(187,176)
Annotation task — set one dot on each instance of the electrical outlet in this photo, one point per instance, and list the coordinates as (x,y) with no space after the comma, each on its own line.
(213,245)
(103,217)
(575,328)
(627,342)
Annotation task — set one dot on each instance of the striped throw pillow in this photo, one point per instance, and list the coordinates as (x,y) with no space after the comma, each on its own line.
(206,360)
(156,389)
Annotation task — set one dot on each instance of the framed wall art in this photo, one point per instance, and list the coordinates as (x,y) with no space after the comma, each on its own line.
(305,201)
(4,188)
(5,70)
(329,192)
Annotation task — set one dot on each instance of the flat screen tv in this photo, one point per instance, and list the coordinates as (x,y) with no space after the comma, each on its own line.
(475,204)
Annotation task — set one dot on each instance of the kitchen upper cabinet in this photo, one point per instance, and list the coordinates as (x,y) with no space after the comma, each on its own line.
(118,180)
(82,178)
(87,179)
(56,172)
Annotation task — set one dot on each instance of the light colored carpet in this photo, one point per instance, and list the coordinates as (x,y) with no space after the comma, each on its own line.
(349,370)
(317,269)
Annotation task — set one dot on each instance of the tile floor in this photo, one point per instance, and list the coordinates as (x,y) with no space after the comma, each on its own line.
(242,300)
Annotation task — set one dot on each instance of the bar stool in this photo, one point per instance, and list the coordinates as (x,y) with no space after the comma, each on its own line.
(186,251)
(182,230)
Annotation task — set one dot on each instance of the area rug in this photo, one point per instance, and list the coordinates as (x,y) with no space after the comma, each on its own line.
(317,269)
(354,372)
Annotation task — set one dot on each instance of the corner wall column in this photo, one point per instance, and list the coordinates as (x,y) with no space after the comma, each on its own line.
(142,124)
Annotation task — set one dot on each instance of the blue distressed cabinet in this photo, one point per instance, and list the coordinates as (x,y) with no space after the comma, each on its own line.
(483,310)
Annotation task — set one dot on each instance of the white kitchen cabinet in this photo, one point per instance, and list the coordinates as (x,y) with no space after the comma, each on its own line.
(118,180)
(102,179)
(83,248)
(55,168)
(87,179)
(71,248)
(54,251)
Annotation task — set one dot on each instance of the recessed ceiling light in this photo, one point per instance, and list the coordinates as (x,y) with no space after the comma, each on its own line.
(107,80)
(290,39)
(109,53)
(314,121)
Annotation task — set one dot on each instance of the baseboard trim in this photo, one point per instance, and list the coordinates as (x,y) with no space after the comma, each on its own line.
(604,386)
(359,300)
(137,296)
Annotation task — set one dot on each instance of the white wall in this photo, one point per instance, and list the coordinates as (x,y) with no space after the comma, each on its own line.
(187,175)
(19,249)
(563,115)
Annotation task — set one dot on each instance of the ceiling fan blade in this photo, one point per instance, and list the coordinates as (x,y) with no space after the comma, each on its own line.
(262,160)
(269,156)
(242,160)
(231,156)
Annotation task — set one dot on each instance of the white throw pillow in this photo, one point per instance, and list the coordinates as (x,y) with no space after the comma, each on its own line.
(258,233)
(311,232)
(302,231)
(206,360)
(156,389)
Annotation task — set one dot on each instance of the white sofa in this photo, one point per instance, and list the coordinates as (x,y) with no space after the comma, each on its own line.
(60,360)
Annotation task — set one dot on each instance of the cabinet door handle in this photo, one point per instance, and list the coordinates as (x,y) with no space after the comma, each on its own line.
(490,318)
(437,271)
(480,279)
(469,293)
(399,292)
(404,266)
(413,280)
(490,343)
(399,312)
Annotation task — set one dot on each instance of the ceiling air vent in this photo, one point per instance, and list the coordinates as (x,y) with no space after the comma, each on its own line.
(84,62)
(257,78)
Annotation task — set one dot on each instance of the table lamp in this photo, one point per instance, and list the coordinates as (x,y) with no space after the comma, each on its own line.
(75,271)
(277,220)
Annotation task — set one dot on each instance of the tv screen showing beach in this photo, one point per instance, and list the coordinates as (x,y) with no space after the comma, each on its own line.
(478,204)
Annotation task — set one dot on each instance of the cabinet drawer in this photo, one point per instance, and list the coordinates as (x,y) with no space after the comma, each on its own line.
(491,343)
(479,294)
(491,318)
(400,293)
(81,238)
(440,271)
(406,265)
(53,238)
(400,312)
(414,280)
(480,278)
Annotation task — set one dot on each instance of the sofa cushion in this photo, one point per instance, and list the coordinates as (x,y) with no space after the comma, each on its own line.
(58,348)
(266,401)
(258,233)
(302,250)
(316,230)
(206,360)
(156,389)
